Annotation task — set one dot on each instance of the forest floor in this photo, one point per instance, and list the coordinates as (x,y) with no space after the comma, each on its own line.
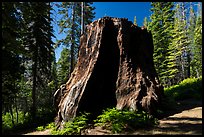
(186,119)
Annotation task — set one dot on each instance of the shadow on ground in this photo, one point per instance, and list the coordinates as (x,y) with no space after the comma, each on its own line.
(182,126)
(181,106)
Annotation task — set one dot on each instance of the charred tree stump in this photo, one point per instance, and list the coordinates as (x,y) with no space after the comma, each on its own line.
(115,68)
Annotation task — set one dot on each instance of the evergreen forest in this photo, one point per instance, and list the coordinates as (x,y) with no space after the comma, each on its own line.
(31,73)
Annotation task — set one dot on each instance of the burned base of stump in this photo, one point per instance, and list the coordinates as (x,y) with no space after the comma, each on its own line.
(115,68)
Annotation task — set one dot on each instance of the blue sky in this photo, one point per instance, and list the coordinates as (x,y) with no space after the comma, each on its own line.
(123,10)
(113,9)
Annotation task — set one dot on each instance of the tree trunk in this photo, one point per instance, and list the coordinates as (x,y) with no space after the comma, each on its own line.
(72,39)
(16,107)
(182,68)
(197,73)
(11,112)
(34,71)
(82,18)
(114,69)
(25,110)
(188,67)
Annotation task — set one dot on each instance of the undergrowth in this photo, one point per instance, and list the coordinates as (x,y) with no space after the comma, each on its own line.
(190,88)
(113,119)
(122,120)
(23,122)
(73,127)
(118,121)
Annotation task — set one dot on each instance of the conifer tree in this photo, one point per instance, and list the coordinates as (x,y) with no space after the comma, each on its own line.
(155,28)
(145,22)
(161,26)
(135,21)
(186,42)
(11,54)
(63,66)
(191,34)
(169,64)
(197,50)
(181,41)
(70,24)
(38,41)
(27,47)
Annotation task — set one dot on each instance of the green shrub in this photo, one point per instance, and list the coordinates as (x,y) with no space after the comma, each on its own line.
(186,89)
(73,127)
(40,128)
(50,125)
(111,119)
(7,124)
(121,120)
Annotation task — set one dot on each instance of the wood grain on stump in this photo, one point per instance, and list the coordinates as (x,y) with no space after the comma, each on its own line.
(115,68)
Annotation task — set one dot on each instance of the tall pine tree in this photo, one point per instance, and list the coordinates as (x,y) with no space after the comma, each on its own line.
(161,26)
(11,56)
(38,41)
(63,66)
(70,25)
(27,56)
(197,50)
(181,42)
(145,23)
(191,34)
(135,21)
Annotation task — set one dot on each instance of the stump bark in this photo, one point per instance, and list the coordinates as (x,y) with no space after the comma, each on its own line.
(115,68)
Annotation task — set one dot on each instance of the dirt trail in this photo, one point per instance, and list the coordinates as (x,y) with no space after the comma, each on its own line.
(185,120)
(188,122)
(45,132)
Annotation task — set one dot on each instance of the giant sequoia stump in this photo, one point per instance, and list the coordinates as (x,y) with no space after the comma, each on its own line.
(115,68)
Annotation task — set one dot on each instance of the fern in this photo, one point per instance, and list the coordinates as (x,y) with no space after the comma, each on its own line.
(120,120)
